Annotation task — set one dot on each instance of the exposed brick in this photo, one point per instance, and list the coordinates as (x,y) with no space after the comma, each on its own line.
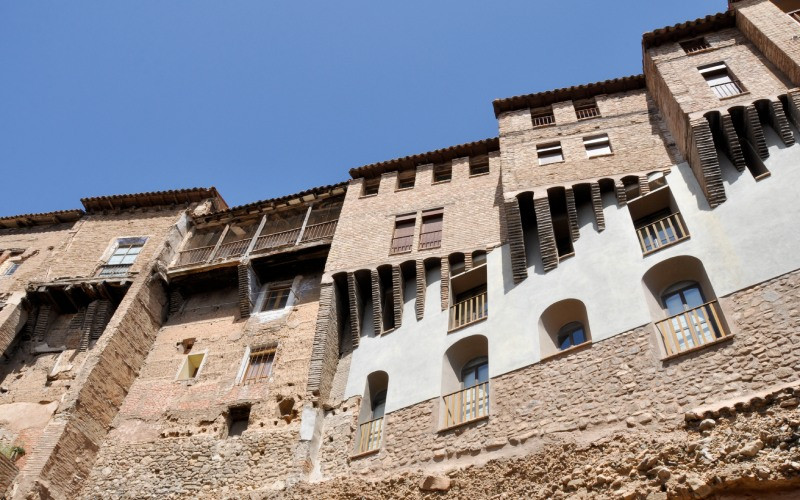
(754,132)
(356,307)
(597,205)
(779,122)
(397,295)
(547,239)
(705,163)
(419,305)
(377,301)
(732,146)
(516,240)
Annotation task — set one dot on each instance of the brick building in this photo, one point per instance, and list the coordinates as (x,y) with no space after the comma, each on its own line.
(600,302)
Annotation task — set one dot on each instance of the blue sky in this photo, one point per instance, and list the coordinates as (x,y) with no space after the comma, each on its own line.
(263,98)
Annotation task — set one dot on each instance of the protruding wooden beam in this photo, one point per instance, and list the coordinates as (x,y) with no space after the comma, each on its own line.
(547,238)
(516,240)
(704,162)
(597,205)
(419,306)
(356,308)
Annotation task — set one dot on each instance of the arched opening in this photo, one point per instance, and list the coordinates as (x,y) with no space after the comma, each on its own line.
(563,325)
(408,273)
(740,117)
(457,264)
(608,192)
(386,292)
(478,258)
(557,199)
(363,296)
(657,220)
(371,414)
(465,382)
(631,185)
(684,306)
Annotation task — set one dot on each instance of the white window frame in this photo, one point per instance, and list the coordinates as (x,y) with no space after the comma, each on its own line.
(597,145)
(290,301)
(550,153)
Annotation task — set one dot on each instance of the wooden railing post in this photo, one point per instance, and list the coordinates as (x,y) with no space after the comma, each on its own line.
(303,227)
(255,237)
(219,242)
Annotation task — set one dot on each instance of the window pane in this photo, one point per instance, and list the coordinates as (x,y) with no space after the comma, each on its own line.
(483,373)
(564,342)
(578,337)
(115,259)
(693,297)
(128,259)
(674,303)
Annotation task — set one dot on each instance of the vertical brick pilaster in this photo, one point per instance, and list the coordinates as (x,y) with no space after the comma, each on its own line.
(704,162)
(622,196)
(245,306)
(397,292)
(644,186)
(175,301)
(42,319)
(86,327)
(793,106)
(419,306)
(733,147)
(356,307)
(445,283)
(467,260)
(377,301)
(572,215)
(779,122)
(754,132)
(325,350)
(547,238)
(516,240)
(597,204)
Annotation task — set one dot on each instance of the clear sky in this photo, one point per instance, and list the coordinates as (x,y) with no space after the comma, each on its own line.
(264,98)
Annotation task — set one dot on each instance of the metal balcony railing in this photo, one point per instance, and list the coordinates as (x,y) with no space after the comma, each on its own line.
(369,434)
(114,270)
(691,328)
(727,89)
(319,231)
(469,311)
(466,405)
(276,240)
(232,249)
(662,233)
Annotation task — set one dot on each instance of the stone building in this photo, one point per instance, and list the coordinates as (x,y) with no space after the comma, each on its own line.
(600,302)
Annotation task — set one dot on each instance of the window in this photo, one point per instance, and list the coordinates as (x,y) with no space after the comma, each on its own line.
(597,145)
(475,372)
(689,316)
(259,365)
(431,233)
(570,335)
(478,165)
(371,186)
(191,366)
(549,153)
(469,299)
(8,268)
(123,257)
(379,405)
(403,237)
(405,180)
(542,117)
(370,428)
(657,221)
(238,418)
(442,172)
(277,296)
(720,80)
(696,45)
(586,109)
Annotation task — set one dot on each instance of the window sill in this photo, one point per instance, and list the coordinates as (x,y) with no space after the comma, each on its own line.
(462,424)
(368,195)
(436,183)
(429,248)
(479,175)
(544,126)
(589,118)
(728,98)
(551,163)
(568,351)
(600,156)
(365,454)
(699,348)
(399,253)
(403,189)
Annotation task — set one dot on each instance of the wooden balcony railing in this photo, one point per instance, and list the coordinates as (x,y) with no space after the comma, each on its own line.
(401,244)
(466,405)
(587,112)
(543,120)
(795,15)
(114,270)
(727,89)
(319,231)
(429,240)
(276,240)
(468,311)
(692,328)
(232,249)
(662,233)
(194,256)
(370,434)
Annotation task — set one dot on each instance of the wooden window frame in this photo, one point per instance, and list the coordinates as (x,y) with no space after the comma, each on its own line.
(370,187)
(479,165)
(264,355)
(443,170)
(406,180)
(427,215)
(407,240)
(274,292)
(695,45)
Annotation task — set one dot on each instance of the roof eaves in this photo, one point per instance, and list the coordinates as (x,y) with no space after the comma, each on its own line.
(153,199)
(686,29)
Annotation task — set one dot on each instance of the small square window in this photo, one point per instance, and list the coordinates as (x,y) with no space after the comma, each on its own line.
(405,180)
(478,165)
(696,45)
(597,145)
(191,366)
(186,345)
(442,172)
(277,296)
(549,153)
(371,186)
(238,419)
(259,365)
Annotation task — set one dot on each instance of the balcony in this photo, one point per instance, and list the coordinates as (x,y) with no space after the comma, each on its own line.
(233,249)
(466,405)
(319,231)
(468,311)
(543,120)
(370,434)
(662,233)
(727,89)
(692,329)
(587,112)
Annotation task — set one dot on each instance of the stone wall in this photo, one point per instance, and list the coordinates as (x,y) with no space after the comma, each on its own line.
(610,385)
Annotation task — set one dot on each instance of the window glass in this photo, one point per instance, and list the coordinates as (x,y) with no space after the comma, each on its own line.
(475,372)
(570,335)
(379,405)
(277,296)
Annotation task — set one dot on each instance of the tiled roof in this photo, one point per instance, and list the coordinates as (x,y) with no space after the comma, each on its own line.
(153,199)
(689,28)
(40,219)
(440,155)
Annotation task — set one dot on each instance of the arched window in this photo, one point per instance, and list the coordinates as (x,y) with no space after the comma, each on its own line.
(571,335)
(688,296)
(475,372)
(378,404)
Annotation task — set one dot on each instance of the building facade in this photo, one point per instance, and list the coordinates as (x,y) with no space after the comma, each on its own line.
(603,301)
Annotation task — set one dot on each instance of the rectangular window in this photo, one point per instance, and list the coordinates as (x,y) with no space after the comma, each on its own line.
(720,80)
(597,145)
(238,419)
(442,172)
(405,180)
(542,117)
(277,296)
(549,153)
(478,165)
(586,109)
(403,237)
(371,186)
(696,45)
(8,268)
(123,257)
(259,365)
(431,234)
(191,366)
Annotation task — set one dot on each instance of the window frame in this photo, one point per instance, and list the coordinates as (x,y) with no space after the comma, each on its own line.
(568,331)
(367,187)
(553,150)
(597,145)
(268,353)
(186,357)
(479,165)
(403,220)
(443,168)
(277,286)
(717,69)
(428,217)
(406,180)
(689,49)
